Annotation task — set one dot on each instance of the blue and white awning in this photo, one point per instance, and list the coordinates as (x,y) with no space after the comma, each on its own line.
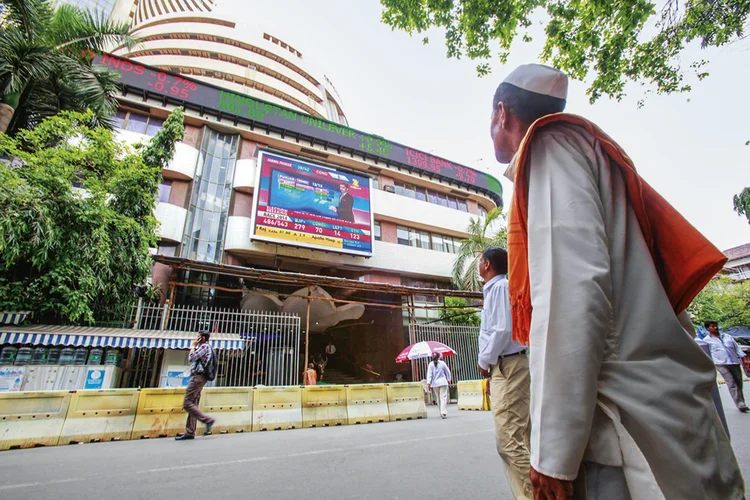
(48,335)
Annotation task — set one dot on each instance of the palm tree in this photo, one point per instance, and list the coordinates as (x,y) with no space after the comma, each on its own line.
(45,62)
(483,232)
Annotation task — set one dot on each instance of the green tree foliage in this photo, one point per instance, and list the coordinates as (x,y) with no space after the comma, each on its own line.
(627,40)
(483,232)
(76,216)
(722,300)
(45,62)
(458,310)
(742,203)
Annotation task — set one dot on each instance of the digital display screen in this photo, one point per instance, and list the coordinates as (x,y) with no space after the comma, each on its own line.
(303,204)
(202,96)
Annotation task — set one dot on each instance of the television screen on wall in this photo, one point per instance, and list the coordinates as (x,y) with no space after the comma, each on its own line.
(308,205)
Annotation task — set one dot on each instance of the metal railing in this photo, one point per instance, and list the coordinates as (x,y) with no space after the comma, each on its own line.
(462,338)
(271,353)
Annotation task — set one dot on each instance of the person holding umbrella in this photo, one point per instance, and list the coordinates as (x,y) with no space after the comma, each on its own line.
(438,377)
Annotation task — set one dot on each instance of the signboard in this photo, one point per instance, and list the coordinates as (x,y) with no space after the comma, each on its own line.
(11,378)
(203,96)
(307,205)
(94,378)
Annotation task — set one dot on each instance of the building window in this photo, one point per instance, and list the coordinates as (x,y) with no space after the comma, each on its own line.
(137,122)
(164,189)
(376,183)
(462,205)
(482,211)
(376,231)
(209,203)
(421,194)
(402,234)
(167,250)
(423,239)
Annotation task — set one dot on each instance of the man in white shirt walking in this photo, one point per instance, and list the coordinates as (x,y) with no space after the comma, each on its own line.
(727,355)
(438,378)
(505,363)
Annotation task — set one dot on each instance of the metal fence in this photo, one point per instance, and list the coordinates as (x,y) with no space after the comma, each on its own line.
(271,354)
(462,338)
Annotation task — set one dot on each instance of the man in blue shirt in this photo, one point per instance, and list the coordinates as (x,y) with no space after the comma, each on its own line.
(726,355)
(505,363)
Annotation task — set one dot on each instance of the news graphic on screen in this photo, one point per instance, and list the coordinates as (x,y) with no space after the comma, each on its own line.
(299,203)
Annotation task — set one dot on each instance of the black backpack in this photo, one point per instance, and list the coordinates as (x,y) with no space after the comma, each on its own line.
(209,369)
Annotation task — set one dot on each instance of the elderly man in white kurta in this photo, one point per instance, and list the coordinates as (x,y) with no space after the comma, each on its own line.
(620,394)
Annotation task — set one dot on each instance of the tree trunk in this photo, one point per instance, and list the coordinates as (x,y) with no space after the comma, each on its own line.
(6,114)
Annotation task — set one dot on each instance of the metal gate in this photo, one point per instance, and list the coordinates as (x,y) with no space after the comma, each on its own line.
(462,338)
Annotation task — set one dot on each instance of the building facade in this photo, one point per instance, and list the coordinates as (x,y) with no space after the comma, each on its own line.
(738,265)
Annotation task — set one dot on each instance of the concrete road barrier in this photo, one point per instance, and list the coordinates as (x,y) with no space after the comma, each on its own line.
(470,395)
(159,413)
(232,407)
(100,415)
(406,401)
(277,408)
(30,419)
(367,403)
(324,406)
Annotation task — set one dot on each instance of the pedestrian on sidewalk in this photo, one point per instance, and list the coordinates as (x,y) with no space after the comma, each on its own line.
(202,364)
(600,266)
(438,378)
(727,356)
(506,364)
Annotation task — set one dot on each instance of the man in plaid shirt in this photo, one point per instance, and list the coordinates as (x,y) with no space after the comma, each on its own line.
(199,358)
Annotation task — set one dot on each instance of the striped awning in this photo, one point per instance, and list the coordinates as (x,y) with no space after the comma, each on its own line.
(50,335)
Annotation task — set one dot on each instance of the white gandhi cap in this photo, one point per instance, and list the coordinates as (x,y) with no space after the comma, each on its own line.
(539,79)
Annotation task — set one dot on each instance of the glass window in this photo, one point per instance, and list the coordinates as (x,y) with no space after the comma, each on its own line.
(482,211)
(413,238)
(442,200)
(168,250)
(376,231)
(137,123)
(409,191)
(119,118)
(432,197)
(399,188)
(424,240)
(164,189)
(154,125)
(462,206)
(452,203)
(437,243)
(421,194)
(402,234)
(376,183)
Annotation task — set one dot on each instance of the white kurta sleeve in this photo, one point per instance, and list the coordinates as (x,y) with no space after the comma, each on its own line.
(571,292)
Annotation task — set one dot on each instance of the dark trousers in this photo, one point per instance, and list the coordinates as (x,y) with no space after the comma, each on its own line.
(190,404)
(732,375)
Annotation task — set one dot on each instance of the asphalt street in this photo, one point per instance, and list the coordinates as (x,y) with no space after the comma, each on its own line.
(434,459)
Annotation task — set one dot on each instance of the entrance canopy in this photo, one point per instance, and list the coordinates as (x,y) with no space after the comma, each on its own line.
(50,335)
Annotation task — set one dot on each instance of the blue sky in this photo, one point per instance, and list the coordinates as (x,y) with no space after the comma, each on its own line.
(691,148)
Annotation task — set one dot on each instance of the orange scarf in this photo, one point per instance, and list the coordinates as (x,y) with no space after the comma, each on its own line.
(684,258)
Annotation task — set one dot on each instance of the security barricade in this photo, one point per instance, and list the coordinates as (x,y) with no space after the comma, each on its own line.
(159,413)
(367,403)
(277,408)
(232,407)
(470,395)
(324,405)
(486,394)
(30,419)
(100,415)
(406,401)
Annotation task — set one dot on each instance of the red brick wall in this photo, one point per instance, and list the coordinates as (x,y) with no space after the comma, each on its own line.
(242,204)
(388,232)
(179,194)
(192,136)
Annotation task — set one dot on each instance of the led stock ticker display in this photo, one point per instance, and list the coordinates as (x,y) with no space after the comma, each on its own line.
(308,205)
(208,97)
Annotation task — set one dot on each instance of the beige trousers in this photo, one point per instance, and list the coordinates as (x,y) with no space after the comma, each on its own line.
(509,394)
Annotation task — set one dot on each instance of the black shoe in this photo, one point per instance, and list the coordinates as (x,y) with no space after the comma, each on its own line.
(744,409)
(209,426)
(182,437)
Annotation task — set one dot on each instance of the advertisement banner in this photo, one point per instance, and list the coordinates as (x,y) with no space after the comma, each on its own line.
(11,378)
(304,204)
(94,378)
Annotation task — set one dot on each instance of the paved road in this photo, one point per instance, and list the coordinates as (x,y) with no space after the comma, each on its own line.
(433,458)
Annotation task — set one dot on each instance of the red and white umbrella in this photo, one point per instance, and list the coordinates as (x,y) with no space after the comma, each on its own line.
(422,350)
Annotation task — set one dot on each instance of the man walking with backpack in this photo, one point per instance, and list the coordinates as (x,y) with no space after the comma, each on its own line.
(202,369)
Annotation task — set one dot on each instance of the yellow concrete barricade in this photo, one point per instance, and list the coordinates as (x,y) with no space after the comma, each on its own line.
(100,415)
(277,408)
(324,405)
(367,403)
(29,419)
(232,407)
(159,414)
(486,394)
(406,401)
(470,395)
